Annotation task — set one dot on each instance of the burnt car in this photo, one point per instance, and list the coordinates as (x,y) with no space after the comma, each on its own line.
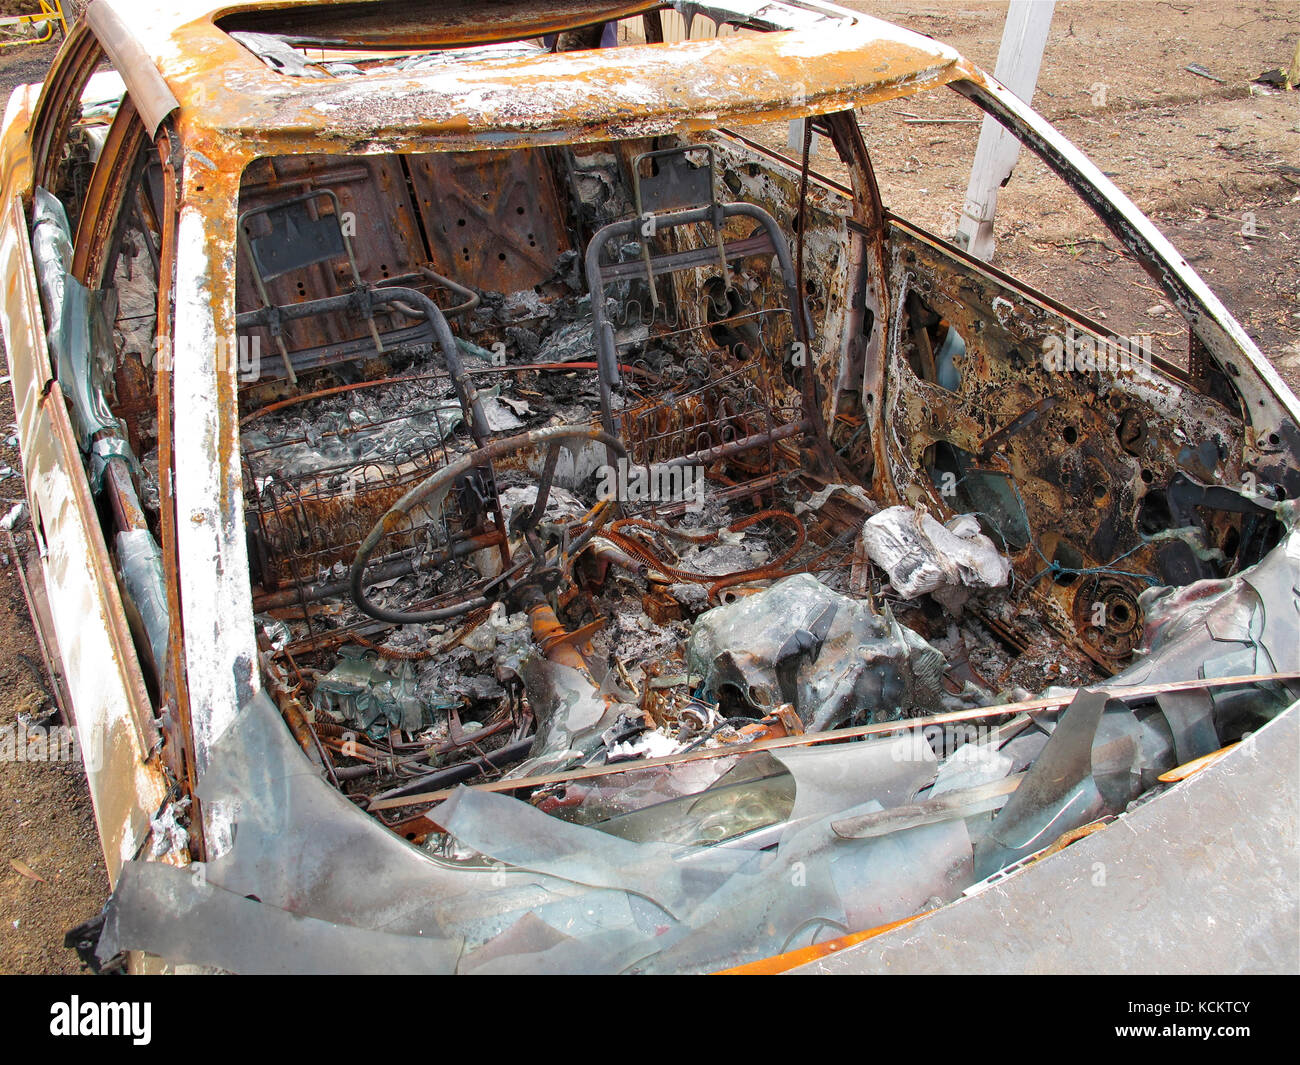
(488,510)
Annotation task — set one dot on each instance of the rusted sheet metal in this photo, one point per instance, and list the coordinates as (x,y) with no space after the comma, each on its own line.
(591,95)
(59,103)
(1272,410)
(93,246)
(494,219)
(175,695)
(386,241)
(1079,496)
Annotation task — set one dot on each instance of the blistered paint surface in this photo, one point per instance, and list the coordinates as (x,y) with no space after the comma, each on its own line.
(829,64)
(220,651)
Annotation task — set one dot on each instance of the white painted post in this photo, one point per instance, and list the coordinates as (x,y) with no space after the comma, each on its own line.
(1019,58)
(795,139)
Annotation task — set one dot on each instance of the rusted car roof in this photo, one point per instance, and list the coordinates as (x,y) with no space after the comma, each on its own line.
(636,90)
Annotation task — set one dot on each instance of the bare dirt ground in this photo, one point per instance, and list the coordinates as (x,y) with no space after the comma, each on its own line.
(1210,160)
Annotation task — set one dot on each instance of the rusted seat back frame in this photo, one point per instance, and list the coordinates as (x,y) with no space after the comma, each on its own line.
(601,273)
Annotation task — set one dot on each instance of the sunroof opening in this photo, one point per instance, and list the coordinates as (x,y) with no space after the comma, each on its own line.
(291,42)
(400,25)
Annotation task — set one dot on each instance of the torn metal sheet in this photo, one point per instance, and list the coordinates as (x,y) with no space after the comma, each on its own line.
(1164,890)
(284,821)
(1060,791)
(829,655)
(1101,756)
(177,915)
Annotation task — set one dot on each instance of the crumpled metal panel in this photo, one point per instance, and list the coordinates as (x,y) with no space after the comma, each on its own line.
(828,654)
(1188,637)
(1164,890)
(333,883)
(1059,791)
(176,913)
(571,713)
(1070,782)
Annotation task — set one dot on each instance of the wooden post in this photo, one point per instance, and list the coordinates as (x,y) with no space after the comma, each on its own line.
(794,141)
(1019,57)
